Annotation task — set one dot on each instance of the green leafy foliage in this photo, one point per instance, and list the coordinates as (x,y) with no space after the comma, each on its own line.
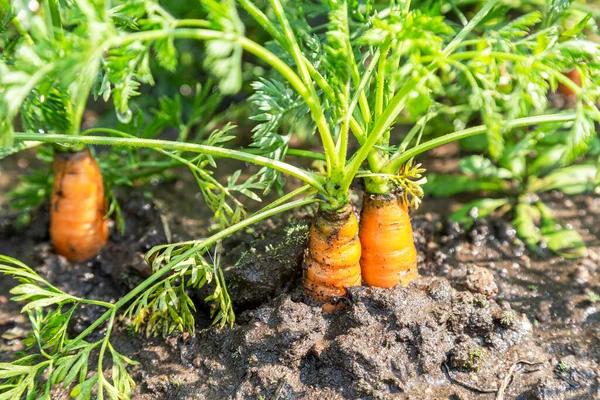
(579,136)
(529,166)
(563,241)
(350,67)
(475,209)
(227,209)
(277,109)
(62,360)
(224,57)
(165,306)
(47,112)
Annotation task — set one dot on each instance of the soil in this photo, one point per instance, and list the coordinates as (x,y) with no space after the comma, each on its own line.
(485,313)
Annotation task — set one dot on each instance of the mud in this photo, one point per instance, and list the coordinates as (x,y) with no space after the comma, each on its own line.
(483,304)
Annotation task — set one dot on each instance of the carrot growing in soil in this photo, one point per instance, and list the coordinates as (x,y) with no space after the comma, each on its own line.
(333,255)
(78,229)
(389,256)
(393,182)
(353,98)
(342,104)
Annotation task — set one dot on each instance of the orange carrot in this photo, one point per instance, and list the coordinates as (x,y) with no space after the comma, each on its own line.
(78,229)
(388,256)
(573,75)
(331,260)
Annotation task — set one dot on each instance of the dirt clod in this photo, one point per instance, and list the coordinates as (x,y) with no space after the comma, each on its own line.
(467,355)
(481,280)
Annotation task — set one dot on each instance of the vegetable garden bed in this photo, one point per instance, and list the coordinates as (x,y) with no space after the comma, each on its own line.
(422,340)
(299,199)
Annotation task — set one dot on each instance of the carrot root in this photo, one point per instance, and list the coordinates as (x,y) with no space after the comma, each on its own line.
(575,77)
(78,229)
(389,256)
(331,260)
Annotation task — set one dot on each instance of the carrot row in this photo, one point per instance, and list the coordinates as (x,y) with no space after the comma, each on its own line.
(339,254)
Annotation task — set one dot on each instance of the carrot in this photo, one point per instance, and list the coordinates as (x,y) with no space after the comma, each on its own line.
(78,229)
(575,77)
(388,256)
(331,260)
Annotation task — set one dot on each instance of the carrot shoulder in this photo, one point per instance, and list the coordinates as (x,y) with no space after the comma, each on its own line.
(389,256)
(78,229)
(331,261)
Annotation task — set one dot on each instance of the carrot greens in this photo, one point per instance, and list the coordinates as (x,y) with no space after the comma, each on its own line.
(350,79)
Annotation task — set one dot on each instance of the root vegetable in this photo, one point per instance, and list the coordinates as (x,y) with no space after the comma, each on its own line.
(331,261)
(575,77)
(389,256)
(78,229)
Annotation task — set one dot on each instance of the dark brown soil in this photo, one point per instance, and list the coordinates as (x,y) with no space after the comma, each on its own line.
(483,304)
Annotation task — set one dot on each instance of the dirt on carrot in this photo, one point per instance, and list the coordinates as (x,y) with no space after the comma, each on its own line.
(331,261)
(78,229)
(388,255)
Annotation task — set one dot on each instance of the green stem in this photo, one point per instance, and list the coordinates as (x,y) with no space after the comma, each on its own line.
(55,17)
(263,21)
(272,30)
(305,154)
(105,341)
(191,23)
(290,152)
(97,303)
(285,198)
(312,179)
(355,73)
(321,82)
(359,91)
(176,260)
(380,91)
(385,120)
(22,31)
(469,27)
(312,101)
(420,124)
(399,159)
(396,104)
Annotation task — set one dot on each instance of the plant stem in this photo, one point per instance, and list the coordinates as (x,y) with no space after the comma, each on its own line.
(285,198)
(55,18)
(305,154)
(97,303)
(22,31)
(310,178)
(396,104)
(263,21)
(312,101)
(385,120)
(400,158)
(379,94)
(290,152)
(191,23)
(469,27)
(202,244)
